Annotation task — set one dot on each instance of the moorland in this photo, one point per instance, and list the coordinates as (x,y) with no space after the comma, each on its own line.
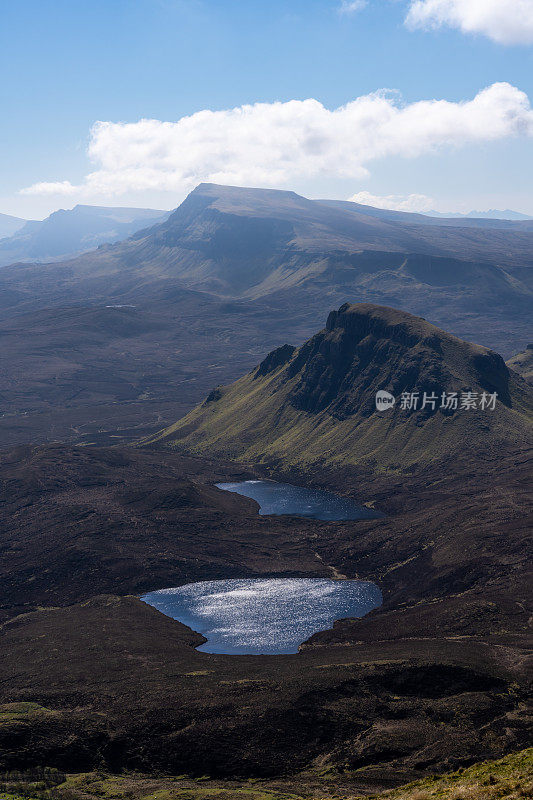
(194,352)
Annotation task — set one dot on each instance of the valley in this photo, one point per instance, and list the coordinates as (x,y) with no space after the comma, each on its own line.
(266,400)
(127,338)
(140,382)
(435,678)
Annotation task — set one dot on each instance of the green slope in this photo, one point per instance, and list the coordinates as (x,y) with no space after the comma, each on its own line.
(510,777)
(316,405)
(523,363)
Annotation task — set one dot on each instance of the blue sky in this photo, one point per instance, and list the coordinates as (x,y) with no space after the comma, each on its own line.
(67,64)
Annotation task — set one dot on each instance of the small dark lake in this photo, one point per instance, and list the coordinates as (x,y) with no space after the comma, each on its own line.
(284,498)
(263,615)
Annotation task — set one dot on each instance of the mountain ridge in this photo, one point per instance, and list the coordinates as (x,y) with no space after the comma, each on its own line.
(523,363)
(238,243)
(470,220)
(316,405)
(10,225)
(68,232)
(256,268)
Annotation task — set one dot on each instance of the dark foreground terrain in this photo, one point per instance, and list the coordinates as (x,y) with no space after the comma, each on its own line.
(436,679)
(510,777)
(113,683)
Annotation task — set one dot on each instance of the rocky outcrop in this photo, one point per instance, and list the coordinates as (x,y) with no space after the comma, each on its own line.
(277,358)
(365,348)
(318,403)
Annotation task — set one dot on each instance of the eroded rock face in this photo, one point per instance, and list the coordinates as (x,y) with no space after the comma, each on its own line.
(317,405)
(365,348)
(493,374)
(275,359)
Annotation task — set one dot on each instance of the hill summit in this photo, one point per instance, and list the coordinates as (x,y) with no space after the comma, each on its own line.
(317,404)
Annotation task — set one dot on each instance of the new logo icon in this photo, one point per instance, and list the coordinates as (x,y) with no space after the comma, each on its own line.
(384,400)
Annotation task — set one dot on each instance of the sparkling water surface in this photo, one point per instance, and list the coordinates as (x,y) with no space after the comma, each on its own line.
(284,498)
(263,616)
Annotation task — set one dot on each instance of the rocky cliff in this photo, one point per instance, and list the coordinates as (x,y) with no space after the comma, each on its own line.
(317,404)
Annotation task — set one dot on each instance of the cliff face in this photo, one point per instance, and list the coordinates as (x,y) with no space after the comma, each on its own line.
(365,348)
(317,404)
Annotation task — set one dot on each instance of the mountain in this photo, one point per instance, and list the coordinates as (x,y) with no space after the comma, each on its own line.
(132,334)
(434,679)
(66,233)
(523,363)
(474,219)
(252,242)
(315,405)
(492,214)
(304,256)
(10,225)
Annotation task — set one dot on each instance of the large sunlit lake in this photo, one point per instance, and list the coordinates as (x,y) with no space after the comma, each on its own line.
(263,616)
(284,498)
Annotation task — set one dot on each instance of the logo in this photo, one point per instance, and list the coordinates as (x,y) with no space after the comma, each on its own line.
(429,401)
(384,400)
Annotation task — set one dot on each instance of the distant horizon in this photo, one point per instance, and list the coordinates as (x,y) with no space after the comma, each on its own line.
(429,213)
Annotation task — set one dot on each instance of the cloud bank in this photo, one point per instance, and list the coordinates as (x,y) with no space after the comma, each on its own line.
(274,144)
(396,202)
(503,21)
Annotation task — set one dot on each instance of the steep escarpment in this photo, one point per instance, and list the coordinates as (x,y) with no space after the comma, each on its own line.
(364,349)
(304,255)
(317,405)
(447,461)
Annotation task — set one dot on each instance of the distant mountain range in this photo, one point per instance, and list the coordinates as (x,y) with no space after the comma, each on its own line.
(493,213)
(153,321)
(434,218)
(10,225)
(66,233)
(472,277)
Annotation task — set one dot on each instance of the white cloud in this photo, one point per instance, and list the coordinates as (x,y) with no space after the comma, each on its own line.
(351,6)
(276,144)
(503,21)
(396,202)
(51,187)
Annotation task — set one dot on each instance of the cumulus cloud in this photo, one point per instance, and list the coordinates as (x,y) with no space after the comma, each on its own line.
(396,202)
(351,6)
(51,187)
(503,21)
(275,144)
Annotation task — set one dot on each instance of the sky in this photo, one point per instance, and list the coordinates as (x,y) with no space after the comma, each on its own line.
(410,104)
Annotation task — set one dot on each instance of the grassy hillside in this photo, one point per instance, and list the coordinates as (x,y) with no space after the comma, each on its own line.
(316,405)
(510,777)
(523,363)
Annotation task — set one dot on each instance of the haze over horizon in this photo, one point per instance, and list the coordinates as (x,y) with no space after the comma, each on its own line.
(429,110)
(392,202)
